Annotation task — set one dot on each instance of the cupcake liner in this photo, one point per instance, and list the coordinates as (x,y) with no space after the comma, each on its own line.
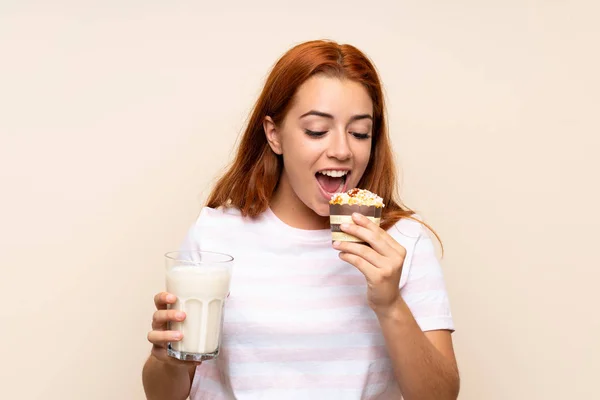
(342,213)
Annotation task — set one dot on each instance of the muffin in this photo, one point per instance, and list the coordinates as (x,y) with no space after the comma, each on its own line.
(343,205)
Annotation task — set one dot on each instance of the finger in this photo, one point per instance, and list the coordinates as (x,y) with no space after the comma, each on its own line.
(162,299)
(160,338)
(361,220)
(401,250)
(370,255)
(373,238)
(367,269)
(365,222)
(381,234)
(393,248)
(161,317)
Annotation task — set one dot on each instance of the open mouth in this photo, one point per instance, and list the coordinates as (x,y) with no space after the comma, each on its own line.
(332,181)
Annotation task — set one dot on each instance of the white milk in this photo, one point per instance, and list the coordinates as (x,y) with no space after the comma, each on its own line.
(200,294)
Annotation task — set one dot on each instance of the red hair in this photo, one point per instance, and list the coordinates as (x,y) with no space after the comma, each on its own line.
(250,181)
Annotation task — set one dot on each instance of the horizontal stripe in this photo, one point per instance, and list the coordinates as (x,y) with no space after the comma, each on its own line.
(305,341)
(295,381)
(349,209)
(277,318)
(328,261)
(371,392)
(320,272)
(429,310)
(303,304)
(336,228)
(312,271)
(428,262)
(311,367)
(296,281)
(344,237)
(302,354)
(309,327)
(341,219)
(314,292)
(424,287)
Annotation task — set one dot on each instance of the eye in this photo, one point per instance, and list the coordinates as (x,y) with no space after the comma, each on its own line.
(360,136)
(314,133)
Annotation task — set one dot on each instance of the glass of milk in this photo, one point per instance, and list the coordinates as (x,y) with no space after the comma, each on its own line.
(200,281)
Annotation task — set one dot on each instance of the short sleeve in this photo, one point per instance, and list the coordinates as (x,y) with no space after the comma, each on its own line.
(425,290)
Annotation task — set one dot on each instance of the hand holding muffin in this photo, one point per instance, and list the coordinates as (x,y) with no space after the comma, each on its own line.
(355,218)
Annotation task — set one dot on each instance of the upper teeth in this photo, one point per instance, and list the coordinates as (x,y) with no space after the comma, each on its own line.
(334,173)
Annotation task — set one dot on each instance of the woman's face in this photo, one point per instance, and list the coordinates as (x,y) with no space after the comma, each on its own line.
(325,141)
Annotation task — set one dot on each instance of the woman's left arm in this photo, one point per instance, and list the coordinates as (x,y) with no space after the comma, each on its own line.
(424,362)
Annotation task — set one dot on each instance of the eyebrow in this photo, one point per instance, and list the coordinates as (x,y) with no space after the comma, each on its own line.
(325,115)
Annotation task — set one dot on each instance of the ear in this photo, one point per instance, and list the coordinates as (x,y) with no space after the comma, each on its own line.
(272,135)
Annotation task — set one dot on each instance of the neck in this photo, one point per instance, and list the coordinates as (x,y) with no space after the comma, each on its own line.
(292,211)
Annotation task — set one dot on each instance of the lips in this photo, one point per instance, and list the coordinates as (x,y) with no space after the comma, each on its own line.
(332,184)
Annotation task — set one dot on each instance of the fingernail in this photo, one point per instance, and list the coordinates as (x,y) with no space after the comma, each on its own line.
(180,315)
(344,226)
(357,215)
(171,297)
(176,335)
(336,244)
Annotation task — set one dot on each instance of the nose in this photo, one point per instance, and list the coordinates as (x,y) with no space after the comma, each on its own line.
(338,147)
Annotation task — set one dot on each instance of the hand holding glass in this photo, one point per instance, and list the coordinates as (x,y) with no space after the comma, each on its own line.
(200,280)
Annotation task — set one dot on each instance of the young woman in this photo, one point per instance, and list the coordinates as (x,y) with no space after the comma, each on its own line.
(308,319)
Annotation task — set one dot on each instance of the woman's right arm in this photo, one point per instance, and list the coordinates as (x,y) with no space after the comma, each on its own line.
(165,377)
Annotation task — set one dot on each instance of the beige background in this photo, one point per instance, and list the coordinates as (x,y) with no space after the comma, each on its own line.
(115,116)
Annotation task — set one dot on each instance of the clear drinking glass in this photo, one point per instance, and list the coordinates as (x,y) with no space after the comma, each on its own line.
(200,280)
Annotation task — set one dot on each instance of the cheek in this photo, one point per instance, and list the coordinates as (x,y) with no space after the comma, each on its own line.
(300,155)
(297,166)
(362,156)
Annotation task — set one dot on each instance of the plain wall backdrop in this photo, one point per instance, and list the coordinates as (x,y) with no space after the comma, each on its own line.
(116,116)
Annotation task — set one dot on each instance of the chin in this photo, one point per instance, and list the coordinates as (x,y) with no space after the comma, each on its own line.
(321,210)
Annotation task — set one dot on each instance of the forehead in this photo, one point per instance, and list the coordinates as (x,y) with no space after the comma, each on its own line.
(339,97)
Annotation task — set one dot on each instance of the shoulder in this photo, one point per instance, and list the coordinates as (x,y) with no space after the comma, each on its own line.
(408,228)
(221,228)
(208,216)
(226,219)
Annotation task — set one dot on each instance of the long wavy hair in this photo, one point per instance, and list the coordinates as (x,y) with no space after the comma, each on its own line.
(250,181)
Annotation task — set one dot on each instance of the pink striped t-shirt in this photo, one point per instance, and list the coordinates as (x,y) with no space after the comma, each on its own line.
(297,324)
